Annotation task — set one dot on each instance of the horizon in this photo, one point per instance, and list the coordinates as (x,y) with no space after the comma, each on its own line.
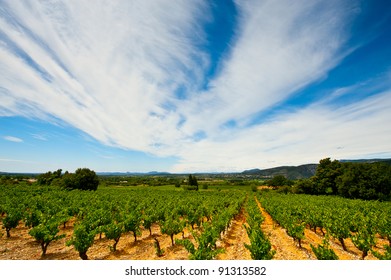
(154,172)
(195,87)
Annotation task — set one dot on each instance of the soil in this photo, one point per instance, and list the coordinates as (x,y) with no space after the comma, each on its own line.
(233,241)
(287,249)
(21,246)
(282,243)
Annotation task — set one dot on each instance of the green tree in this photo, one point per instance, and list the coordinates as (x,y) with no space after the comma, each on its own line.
(82,179)
(192,183)
(278,181)
(325,176)
(48,177)
(304,186)
(380,180)
(365,181)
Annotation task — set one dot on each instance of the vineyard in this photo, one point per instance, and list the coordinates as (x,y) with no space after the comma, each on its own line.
(46,222)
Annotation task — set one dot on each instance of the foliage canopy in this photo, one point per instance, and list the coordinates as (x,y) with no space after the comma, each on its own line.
(368,181)
(82,179)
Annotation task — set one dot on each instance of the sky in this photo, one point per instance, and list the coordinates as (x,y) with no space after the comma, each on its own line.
(192,86)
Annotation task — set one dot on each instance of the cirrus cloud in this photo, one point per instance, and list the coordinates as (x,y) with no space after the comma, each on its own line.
(133,74)
(13,139)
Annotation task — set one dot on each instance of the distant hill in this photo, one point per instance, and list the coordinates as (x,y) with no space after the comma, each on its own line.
(156,173)
(18,174)
(385,160)
(290,172)
(301,171)
(151,173)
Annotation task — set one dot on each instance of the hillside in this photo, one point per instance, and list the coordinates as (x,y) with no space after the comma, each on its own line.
(291,172)
(301,171)
(385,160)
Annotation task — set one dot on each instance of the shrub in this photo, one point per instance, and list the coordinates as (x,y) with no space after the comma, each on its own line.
(82,179)
(82,239)
(323,251)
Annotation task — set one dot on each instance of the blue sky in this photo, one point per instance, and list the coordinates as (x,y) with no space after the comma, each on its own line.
(192,86)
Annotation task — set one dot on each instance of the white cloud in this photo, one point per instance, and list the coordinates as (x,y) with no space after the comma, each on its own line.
(13,139)
(358,130)
(282,47)
(112,71)
(15,160)
(105,69)
(39,137)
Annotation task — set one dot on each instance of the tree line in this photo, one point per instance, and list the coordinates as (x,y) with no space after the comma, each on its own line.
(86,179)
(350,180)
(82,179)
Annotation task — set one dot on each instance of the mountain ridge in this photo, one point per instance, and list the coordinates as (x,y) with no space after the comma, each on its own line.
(290,172)
(301,171)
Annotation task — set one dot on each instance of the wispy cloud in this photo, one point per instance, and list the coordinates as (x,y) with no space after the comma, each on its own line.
(107,70)
(13,139)
(16,160)
(306,135)
(39,137)
(282,47)
(19,165)
(114,70)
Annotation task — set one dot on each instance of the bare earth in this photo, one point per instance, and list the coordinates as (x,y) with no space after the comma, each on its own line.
(287,249)
(234,240)
(21,246)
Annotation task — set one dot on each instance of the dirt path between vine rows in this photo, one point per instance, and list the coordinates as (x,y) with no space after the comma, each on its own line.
(351,253)
(21,246)
(287,249)
(235,238)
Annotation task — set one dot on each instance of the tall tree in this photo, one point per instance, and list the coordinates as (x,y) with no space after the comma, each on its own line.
(365,181)
(325,176)
(193,183)
(48,177)
(83,179)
